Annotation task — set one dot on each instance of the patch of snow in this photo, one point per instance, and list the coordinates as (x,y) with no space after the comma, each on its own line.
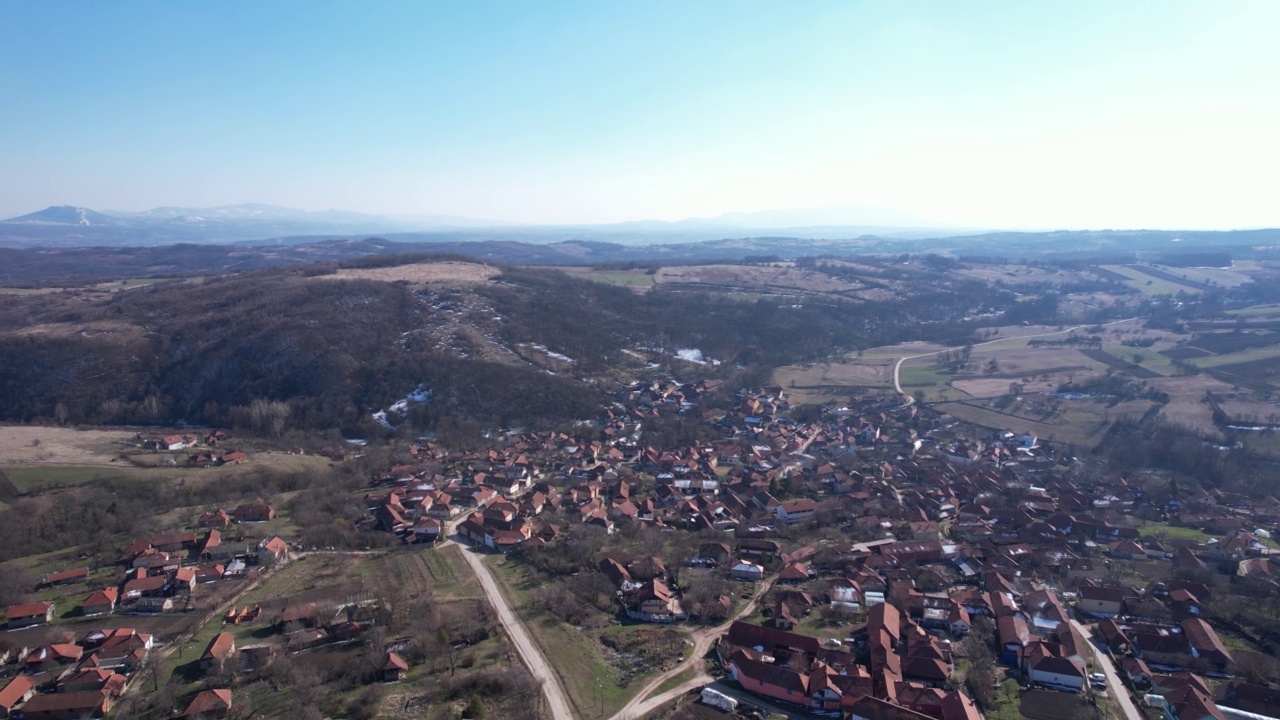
(380,417)
(553,355)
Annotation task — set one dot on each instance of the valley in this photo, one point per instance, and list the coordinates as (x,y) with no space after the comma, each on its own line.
(421,486)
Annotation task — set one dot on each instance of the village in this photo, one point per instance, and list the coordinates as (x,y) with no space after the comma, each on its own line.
(905,567)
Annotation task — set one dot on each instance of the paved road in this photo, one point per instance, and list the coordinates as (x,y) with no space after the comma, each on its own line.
(557,699)
(897,367)
(1115,689)
(642,704)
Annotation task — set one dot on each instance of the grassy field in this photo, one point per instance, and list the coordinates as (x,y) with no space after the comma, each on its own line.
(1171,532)
(1257,311)
(33,479)
(1145,357)
(639,280)
(1149,285)
(1253,354)
(1225,277)
(1081,422)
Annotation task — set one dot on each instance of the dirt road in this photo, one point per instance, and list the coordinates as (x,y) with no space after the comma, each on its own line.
(557,699)
(1115,689)
(642,705)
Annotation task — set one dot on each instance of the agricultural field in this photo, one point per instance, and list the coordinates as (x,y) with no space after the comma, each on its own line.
(1149,284)
(435,273)
(638,280)
(39,458)
(1008,379)
(459,650)
(768,279)
(1013,275)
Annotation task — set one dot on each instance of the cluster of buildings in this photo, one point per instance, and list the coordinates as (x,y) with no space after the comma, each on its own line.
(942,526)
(74,679)
(161,572)
(210,445)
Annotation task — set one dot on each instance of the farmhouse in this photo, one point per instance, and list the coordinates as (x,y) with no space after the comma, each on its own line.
(207,703)
(101,602)
(221,647)
(29,614)
(19,690)
(1101,601)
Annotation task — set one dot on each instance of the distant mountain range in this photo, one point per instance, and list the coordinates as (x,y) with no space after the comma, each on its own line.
(66,225)
(70,226)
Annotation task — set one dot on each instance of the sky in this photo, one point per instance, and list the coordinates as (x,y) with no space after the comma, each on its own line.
(1029,115)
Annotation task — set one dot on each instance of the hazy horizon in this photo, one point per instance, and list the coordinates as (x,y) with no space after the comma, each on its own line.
(998,115)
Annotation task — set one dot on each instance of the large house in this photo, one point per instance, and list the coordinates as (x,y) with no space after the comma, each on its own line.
(1102,601)
(221,647)
(793,512)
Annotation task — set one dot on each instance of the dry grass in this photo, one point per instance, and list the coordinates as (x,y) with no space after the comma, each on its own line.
(30,445)
(450,273)
(771,278)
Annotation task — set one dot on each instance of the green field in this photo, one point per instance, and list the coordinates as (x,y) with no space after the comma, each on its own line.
(1150,359)
(636,279)
(1174,533)
(1149,285)
(1225,278)
(1257,310)
(1259,353)
(30,479)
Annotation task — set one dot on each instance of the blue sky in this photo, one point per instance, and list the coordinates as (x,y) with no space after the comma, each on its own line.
(983,114)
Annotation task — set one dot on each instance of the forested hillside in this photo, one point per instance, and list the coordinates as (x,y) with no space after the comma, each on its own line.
(336,346)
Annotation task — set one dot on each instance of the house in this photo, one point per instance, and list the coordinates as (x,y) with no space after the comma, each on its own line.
(748,571)
(254,512)
(68,706)
(1256,699)
(221,647)
(304,614)
(1205,643)
(214,519)
(58,654)
(235,457)
(17,691)
(185,578)
(1101,600)
(771,681)
(794,573)
(90,679)
(146,587)
(29,614)
(101,602)
(793,512)
(655,602)
(1047,664)
(66,577)
(273,549)
(395,668)
(209,702)
(865,707)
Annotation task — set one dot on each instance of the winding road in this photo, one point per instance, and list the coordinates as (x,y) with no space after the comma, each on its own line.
(641,705)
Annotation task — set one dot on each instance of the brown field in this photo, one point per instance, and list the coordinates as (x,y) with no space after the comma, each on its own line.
(31,445)
(422,273)
(760,278)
